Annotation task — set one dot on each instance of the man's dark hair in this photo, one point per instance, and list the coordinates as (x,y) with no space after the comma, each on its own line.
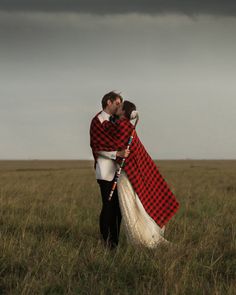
(112,96)
(128,107)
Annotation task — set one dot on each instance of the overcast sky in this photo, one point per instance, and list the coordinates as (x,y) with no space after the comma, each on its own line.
(174,59)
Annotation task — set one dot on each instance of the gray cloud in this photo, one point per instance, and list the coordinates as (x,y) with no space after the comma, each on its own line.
(56,67)
(189,7)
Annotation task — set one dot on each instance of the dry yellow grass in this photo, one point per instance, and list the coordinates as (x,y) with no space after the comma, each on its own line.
(49,235)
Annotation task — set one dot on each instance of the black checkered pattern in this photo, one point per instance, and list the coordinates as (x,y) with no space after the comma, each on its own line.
(151,187)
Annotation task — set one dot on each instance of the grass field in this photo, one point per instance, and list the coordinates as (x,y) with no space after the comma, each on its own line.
(50,242)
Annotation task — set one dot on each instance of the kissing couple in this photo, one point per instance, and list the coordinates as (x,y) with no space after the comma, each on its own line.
(142,198)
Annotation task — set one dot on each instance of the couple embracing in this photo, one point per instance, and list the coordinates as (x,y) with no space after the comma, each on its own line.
(142,198)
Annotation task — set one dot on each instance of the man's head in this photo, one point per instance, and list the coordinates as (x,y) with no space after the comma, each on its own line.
(111,102)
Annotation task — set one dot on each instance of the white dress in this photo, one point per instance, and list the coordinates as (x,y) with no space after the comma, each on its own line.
(140,228)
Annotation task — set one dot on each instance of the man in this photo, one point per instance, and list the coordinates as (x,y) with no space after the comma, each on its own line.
(105,165)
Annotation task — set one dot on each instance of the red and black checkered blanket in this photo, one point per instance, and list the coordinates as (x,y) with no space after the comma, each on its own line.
(151,187)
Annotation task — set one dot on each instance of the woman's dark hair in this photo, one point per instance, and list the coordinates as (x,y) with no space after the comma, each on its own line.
(112,96)
(128,107)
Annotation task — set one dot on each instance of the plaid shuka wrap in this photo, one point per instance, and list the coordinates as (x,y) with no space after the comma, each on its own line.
(151,188)
(100,140)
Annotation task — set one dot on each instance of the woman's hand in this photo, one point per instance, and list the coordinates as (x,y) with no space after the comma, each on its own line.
(123,153)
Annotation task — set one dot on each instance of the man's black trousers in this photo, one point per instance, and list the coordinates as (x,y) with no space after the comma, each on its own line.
(110,216)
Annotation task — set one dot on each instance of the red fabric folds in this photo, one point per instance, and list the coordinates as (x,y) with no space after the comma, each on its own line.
(151,187)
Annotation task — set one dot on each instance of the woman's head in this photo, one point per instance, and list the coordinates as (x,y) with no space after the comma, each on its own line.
(125,109)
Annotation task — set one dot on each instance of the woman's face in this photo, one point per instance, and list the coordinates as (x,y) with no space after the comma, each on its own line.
(120,110)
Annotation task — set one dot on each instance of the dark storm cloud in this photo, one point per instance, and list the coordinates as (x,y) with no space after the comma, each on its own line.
(189,7)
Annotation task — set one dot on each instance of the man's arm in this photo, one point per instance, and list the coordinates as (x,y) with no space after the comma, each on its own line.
(108,155)
(114,154)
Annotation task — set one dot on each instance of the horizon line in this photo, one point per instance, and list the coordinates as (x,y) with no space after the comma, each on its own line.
(81,159)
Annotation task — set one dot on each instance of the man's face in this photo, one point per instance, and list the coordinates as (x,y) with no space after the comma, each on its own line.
(120,110)
(114,105)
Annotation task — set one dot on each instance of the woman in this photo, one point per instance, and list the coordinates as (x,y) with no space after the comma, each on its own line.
(145,199)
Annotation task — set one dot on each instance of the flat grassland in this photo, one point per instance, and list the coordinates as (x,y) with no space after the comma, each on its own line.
(50,241)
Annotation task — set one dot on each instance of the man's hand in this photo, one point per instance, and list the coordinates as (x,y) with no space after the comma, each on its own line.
(123,153)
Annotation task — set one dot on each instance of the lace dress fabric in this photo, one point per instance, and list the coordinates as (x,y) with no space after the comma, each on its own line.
(140,228)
